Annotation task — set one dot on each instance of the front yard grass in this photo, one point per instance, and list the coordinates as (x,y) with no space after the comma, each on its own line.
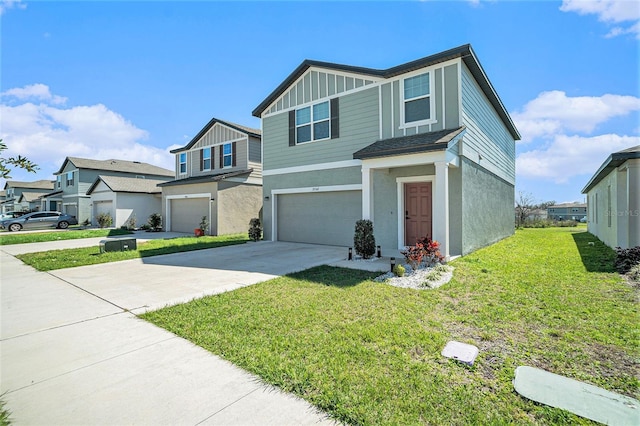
(369,353)
(69,258)
(7,238)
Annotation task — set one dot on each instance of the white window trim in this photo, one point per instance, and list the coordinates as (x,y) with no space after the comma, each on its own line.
(431,96)
(180,163)
(222,166)
(310,105)
(210,158)
(67,178)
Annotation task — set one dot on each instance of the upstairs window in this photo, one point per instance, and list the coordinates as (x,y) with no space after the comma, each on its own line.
(58,181)
(69,178)
(206,159)
(313,123)
(227,155)
(183,163)
(417,98)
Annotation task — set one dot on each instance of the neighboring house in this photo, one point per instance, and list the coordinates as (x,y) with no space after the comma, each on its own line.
(218,175)
(567,211)
(125,198)
(535,214)
(31,199)
(77,175)
(14,190)
(425,148)
(613,195)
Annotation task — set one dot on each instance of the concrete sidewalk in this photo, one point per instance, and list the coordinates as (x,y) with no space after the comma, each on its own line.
(70,353)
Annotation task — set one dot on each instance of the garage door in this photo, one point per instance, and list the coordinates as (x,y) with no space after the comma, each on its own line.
(100,207)
(320,217)
(186,214)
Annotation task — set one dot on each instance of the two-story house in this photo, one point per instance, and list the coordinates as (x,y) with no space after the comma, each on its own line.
(21,196)
(77,175)
(422,149)
(567,211)
(218,176)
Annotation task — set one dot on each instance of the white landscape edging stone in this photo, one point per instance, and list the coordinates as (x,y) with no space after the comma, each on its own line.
(416,279)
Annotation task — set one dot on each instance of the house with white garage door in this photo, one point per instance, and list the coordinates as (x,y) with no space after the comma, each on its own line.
(218,176)
(127,200)
(425,148)
(77,175)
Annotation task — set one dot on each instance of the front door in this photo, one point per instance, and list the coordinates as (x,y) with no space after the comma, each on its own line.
(417,205)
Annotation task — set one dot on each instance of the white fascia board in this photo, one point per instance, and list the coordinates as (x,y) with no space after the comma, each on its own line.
(328,188)
(185,196)
(404,160)
(312,167)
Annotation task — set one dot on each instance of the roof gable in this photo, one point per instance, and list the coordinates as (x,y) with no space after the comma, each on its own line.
(464,52)
(127,184)
(38,184)
(219,133)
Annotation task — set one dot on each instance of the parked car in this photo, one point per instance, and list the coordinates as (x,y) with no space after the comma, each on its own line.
(11,215)
(583,220)
(46,219)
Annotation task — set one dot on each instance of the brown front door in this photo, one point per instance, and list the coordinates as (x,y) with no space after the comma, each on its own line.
(417,205)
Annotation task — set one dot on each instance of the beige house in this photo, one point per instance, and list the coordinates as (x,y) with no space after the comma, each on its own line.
(613,195)
(218,176)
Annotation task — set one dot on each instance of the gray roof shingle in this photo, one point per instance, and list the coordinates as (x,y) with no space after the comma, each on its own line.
(207,178)
(134,167)
(422,142)
(38,184)
(127,184)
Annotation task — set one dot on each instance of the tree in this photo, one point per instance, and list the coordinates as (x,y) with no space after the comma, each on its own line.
(524,206)
(546,205)
(7,164)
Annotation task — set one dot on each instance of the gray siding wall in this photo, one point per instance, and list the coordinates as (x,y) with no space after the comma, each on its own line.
(446,104)
(358,128)
(487,207)
(486,133)
(193,160)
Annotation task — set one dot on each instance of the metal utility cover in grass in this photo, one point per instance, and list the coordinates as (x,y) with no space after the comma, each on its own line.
(580,398)
(460,352)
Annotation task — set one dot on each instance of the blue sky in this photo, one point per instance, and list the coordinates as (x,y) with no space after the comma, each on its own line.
(132,80)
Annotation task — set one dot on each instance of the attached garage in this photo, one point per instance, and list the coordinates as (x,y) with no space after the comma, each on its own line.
(103,207)
(187,213)
(319,217)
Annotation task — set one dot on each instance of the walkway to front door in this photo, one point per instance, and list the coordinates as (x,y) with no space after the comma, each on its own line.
(418,217)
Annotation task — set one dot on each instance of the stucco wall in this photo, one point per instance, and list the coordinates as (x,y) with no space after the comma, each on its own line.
(237,204)
(487,207)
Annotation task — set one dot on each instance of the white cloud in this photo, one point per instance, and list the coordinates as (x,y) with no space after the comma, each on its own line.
(37,91)
(608,11)
(554,112)
(46,134)
(10,4)
(570,156)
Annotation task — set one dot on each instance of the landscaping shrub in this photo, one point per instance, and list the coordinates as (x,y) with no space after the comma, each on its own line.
(427,250)
(547,223)
(155,222)
(104,220)
(627,259)
(255,229)
(432,251)
(204,225)
(399,270)
(363,241)
(131,223)
(634,273)
(413,255)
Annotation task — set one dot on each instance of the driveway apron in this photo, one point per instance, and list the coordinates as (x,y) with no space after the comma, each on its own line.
(72,351)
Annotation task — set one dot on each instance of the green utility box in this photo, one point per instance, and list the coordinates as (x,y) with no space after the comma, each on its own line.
(118,244)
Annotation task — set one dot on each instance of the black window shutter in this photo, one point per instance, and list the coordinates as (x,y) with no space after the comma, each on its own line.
(213,157)
(233,154)
(292,128)
(221,156)
(201,159)
(335,120)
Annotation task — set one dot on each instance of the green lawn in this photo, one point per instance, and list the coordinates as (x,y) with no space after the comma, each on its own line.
(7,238)
(68,258)
(369,353)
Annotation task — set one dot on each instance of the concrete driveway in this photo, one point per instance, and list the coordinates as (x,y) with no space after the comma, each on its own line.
(72,351)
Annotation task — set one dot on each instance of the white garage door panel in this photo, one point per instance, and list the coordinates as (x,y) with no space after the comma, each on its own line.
(320,217)
(100,207)
(186,214)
